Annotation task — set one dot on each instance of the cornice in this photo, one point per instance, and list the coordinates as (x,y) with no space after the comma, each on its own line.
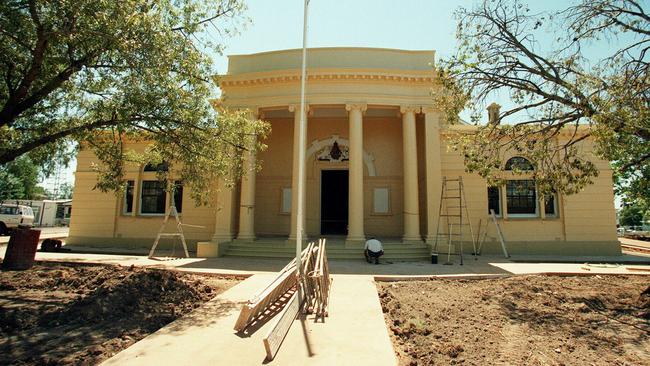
(293,76)
(563,133)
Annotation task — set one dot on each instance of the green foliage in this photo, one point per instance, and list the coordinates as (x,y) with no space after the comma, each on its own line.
(556,91)
(65,191)
(632,215)
(105,72)
(19,179)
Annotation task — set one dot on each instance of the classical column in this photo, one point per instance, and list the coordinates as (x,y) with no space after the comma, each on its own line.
(294,172)
(223,228)
(433,169)
(355,193)
(411,206)
(247,201)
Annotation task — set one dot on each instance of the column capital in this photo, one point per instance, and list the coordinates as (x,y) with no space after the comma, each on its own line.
(296,107)
(430,109)
(356,106)
(409,109)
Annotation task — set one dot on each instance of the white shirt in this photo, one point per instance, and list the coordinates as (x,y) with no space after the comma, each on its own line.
(373,245)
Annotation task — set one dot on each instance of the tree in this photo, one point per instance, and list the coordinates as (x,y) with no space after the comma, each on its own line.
(106,72)
(631,215)
(19,179)
(556,88)
(65,191)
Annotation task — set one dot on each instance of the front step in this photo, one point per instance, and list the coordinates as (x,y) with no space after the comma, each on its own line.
(280,249)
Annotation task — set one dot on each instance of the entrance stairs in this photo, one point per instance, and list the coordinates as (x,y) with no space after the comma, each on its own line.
(394,249)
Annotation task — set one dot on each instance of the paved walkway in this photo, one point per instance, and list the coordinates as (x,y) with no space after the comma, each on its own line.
(353,334)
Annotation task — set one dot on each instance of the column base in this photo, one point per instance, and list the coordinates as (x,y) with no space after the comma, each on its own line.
(355,242)
(244,239)
(412,240)
(415,240)
(430,239)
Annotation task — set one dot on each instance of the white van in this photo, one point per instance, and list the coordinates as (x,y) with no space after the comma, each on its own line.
(14,215)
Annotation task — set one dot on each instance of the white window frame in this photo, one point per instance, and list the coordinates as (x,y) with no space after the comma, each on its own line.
(504,205)
(500,195)
(124,204)
(556,207)
(140,200)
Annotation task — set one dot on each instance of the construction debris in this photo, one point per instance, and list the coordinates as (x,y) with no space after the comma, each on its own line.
(315,285)
(309,293)
(262,301)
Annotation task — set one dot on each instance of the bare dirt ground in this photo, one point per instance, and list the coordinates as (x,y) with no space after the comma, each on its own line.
(522,320)
(56,314)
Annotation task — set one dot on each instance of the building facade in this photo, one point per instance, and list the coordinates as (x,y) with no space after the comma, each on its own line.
(376,155)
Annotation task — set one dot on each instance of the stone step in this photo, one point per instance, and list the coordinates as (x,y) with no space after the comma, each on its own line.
(413,255)
(347,257)
(329,247)
(336,249)
(330,252)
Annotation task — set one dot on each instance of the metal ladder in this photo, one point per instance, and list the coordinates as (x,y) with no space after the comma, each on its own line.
(452,205)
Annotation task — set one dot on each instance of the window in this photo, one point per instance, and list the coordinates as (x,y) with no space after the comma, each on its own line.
(153,197)
(285,206)
(128,197)
(7,210)
(162,167)
(381,201)
(494,200)
(521,198)
(178,196)
(519,163)
(60,212)
(550,206)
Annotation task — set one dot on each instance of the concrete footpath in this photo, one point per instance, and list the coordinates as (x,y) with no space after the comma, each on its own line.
(353,334)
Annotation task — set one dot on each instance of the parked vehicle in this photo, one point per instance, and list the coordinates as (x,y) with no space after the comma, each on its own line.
(637,232)
(13,215)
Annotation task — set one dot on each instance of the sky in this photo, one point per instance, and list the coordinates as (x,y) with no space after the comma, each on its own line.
(402,24)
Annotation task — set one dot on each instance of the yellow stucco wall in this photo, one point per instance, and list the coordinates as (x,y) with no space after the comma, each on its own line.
(384,80)
(98,219)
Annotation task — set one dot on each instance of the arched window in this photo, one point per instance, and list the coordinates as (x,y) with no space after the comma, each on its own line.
(162,167)
(519,163)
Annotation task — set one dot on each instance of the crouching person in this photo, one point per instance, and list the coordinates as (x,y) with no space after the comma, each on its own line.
(373,249)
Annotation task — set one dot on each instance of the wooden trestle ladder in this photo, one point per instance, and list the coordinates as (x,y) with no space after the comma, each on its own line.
(453,208)
(177,234)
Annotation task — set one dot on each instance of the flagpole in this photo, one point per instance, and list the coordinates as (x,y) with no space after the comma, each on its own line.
(301,155)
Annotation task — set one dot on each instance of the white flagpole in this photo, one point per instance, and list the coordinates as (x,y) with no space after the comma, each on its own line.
(301,154)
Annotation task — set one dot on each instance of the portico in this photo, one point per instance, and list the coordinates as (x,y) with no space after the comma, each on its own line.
(351,106)
(360,164)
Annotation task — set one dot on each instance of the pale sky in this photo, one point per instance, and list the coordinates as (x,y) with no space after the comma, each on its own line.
(402,24)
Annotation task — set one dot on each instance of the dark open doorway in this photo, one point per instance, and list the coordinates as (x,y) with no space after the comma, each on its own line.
(334,202)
